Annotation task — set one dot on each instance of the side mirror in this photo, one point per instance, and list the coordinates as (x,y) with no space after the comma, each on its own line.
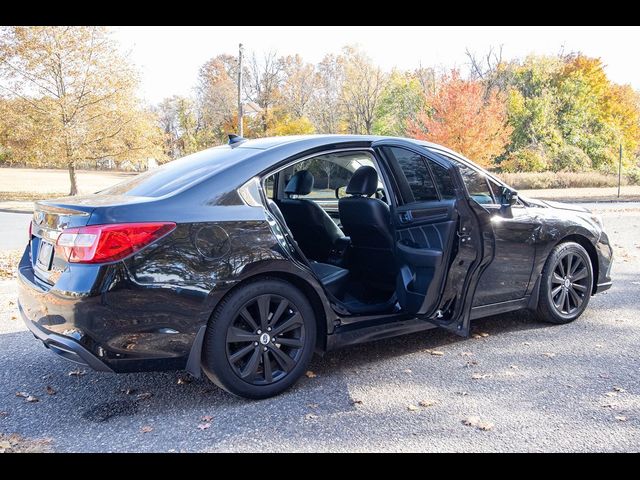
(509,197)
(341,192)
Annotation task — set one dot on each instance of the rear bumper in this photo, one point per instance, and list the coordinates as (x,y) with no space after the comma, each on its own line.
(64,346)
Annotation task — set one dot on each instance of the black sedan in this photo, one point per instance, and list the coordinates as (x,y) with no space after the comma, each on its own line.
(244,259)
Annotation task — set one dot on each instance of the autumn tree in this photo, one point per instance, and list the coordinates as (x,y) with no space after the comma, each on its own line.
(72,84)
(262,85)
(361,90)
(298,86)
(217,95)
(401,99)
(459,117)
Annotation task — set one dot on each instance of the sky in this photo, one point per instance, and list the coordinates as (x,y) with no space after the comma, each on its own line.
(168,58)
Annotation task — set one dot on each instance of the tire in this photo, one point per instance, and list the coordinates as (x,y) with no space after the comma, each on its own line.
(566,284)
(259,365)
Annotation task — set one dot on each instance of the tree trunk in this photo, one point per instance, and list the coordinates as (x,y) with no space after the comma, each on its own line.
(329,179)
(72,179)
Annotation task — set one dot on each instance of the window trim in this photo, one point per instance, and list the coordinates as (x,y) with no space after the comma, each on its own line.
(368,151)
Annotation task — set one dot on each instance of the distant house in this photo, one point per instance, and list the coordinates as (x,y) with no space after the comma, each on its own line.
(251,109)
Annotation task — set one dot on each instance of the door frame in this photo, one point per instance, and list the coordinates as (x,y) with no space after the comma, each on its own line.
(478,237)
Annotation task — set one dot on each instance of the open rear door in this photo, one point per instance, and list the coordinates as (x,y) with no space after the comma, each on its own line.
(442,244)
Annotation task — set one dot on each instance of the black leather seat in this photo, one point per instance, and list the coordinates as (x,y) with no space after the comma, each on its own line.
(332,277)
(367,221)
(310,225)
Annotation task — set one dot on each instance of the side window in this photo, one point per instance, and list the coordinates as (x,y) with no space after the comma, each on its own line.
(268,184)
(476,184)
(443,180)
(497,191)
(417,174)
(327,176)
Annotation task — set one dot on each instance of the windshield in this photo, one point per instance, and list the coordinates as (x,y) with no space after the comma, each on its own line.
(178,174)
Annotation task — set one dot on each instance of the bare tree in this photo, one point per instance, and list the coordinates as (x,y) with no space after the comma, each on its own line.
(361,90)
(298,85)
(488,68)
(326,104)
(263,81)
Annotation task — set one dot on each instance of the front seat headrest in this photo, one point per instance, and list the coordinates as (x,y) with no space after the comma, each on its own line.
(364,182)
(300,184)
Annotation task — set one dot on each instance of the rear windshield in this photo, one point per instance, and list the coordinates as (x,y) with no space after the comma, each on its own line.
(175,175)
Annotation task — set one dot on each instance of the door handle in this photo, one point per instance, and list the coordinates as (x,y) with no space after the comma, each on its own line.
(405,217)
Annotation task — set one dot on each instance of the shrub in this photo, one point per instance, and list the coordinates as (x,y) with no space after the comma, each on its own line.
(525,160)
(633,176)
(527,180)
(571,159)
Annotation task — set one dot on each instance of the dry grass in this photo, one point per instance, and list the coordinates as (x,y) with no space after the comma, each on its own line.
(544,180)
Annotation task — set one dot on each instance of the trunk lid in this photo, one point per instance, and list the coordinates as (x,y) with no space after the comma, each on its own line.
(51,217)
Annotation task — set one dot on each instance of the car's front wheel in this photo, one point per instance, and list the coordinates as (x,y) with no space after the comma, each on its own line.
(260,339)
(566,284)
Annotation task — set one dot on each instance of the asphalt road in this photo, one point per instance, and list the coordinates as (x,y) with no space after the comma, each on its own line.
(538,387)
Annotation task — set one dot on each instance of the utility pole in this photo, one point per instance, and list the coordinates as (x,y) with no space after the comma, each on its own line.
(619,170)
(240,129)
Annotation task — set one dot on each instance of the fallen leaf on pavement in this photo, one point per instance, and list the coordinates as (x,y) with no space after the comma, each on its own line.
(407,370)
(427,403)
(619,389)
(22,394)
(31,399)
(183,381)
(480,335)
(466,354)
(77,373)
(526,344)
(471,363)
(13,317)
(312,405)
(146,429)
(462,394)
(207,418)
(144,396)
(310,416)
(515,367)
(480,376)
(621,418)
(436,353)
(50,390)
(4,414)
(356,402)
(548,354)
(128,391)
(204,426)
(412,408)
(610,405)
(610,394)
(478,423)
(310,374)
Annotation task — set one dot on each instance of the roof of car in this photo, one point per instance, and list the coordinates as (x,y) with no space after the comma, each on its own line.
(270,142)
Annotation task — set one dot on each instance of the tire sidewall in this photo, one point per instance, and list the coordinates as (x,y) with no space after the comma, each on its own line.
(557,253)
(215,363)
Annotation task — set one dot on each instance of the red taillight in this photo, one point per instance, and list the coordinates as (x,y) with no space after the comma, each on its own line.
(30,229)
(108,243)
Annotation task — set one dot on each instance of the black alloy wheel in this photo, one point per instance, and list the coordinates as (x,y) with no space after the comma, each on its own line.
(265,340)
(260,339)
(570,283)
(566,284)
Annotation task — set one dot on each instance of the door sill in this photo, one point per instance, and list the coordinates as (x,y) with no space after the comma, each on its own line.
(500,307)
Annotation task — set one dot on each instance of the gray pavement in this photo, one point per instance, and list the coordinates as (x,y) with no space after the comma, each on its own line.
(542,388)
(13,230)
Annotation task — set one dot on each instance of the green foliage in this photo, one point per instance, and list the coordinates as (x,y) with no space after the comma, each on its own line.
(525,160)
(571,159)
(401,99)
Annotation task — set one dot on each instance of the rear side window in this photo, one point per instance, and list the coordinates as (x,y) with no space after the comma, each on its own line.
(175,175)
(443,180)
(415,170)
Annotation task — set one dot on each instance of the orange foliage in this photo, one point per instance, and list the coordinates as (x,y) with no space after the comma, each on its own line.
(459,117)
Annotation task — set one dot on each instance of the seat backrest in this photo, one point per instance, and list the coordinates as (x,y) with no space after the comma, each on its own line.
(313,229)
(367,222)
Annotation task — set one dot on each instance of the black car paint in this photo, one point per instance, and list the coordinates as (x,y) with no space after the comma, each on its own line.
(149,311)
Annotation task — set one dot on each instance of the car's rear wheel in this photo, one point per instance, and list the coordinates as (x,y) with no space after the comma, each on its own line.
(260,339)
(566,284)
